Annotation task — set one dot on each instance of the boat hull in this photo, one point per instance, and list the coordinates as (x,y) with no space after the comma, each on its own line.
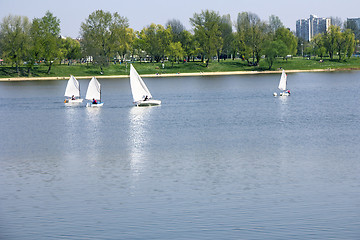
(148,103)
(94,105)
(73,101)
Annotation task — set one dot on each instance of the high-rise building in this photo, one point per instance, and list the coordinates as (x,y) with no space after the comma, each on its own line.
(308,28)
(355,21)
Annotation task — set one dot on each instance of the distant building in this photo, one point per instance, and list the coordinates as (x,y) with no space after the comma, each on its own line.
(355,21)
(308,28)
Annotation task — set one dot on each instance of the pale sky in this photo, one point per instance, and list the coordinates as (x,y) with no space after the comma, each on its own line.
(142,13)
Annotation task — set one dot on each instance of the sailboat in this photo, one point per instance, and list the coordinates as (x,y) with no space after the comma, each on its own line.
(72,91)
(282,85)
(140,93)
(94,92)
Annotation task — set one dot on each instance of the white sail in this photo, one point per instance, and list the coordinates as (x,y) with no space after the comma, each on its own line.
(138,87)
(94,90)
(282,83)
(72,87)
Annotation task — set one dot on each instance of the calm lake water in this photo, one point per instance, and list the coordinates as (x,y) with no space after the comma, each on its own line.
(221,158)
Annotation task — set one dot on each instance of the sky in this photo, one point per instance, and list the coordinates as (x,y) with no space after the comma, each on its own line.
(141,13)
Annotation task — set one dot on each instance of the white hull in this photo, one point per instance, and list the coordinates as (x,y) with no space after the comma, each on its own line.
(94,105)
(73,101)
(284,94)
(148,103)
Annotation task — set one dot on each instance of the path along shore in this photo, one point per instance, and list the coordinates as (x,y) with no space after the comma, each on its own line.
(175,74)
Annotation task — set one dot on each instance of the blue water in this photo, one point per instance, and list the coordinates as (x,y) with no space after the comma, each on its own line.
(221,158)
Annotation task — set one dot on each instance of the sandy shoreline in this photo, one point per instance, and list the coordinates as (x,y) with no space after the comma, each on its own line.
(174,74)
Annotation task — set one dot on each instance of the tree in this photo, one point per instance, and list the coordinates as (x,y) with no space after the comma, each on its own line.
(155,40)
(275,23)
(207,33)
(342,43)
(288,38)
(49,32)
(345,44)
(104,35)
(188,44)
(14,39)
(253,33)
(227,36)
(121,37)
(35,49)
(177,29)
(71,49)
(175,52)
(273,49)
(329,39)
(318,46)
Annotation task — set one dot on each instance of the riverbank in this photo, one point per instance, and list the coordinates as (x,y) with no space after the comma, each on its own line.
(176,74)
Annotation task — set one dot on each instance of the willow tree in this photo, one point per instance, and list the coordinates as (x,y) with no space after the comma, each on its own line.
(102,36)
(207,32)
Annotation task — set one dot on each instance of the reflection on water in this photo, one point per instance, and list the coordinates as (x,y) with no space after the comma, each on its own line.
(282,131)
(139,119)
(72,119)
(93,130)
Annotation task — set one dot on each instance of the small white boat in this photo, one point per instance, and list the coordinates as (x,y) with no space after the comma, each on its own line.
(73,91)
(94,93)
(282,85)
(141,94)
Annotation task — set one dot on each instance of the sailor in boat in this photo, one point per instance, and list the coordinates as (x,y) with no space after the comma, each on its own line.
(288,91)
(73,97)
(146,98)
(94,101)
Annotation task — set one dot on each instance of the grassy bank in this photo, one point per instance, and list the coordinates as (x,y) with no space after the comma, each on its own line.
(190,67)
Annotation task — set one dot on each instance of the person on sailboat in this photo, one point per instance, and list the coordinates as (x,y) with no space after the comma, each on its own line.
(94,101)
(288,91)
(73,97)
(146,98)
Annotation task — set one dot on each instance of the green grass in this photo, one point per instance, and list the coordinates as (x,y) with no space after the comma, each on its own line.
(189,67)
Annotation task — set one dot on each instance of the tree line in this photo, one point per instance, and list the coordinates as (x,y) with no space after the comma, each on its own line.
(106,37)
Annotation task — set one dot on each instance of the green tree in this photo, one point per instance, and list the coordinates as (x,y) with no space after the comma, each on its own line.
(122,37)
(155,40)
(71,49)
(188,44)
(102,36)
(274,49)
(345,44)
(253,33)
(318,46)
(177,29)
(330,38)
(49,32)
(35,49)
(14,39)
(207,33)
(275,23)
(288,38)
(227,36)
(175,52)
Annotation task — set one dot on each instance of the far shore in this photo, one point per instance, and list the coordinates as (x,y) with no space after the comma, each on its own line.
(176,74)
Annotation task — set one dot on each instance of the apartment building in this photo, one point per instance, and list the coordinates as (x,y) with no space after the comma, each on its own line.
(308,28)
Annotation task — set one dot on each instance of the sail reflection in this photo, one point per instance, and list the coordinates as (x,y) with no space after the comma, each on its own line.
(139,136)
(93,130)
(283,103)
(72,126)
